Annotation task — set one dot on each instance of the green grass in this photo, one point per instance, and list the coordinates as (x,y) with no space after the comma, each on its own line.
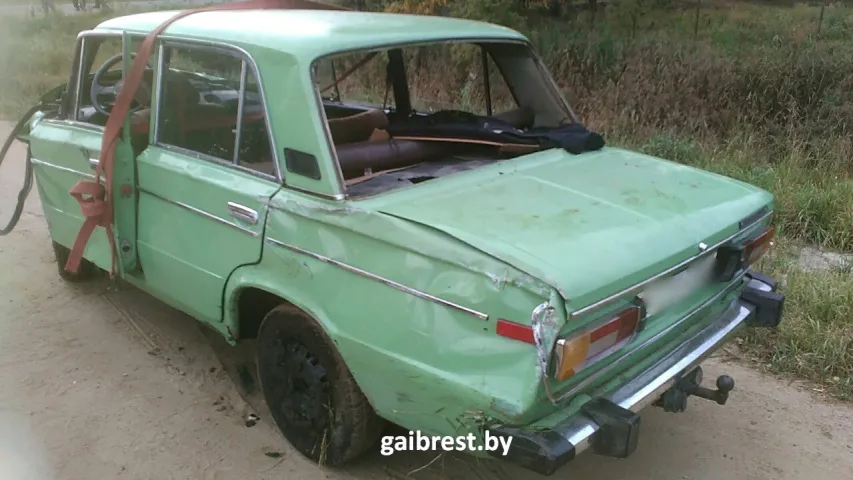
(814,205)
(35,55)
(815,341)
(36,52)
(758,95)
(814,192)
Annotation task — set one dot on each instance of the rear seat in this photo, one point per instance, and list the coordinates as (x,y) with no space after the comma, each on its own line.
(359,147)
(358,127)
(387,153)
(354,158)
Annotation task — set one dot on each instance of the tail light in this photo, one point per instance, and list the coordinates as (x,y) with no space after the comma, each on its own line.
(755,249)
(575,353)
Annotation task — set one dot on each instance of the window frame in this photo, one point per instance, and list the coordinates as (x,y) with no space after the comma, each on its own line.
(331,151)
(248,64)
(71,104)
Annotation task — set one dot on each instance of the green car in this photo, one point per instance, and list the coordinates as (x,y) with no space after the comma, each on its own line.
(412,224)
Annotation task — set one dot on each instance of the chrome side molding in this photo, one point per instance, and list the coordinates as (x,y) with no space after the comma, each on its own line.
(390,283)
(201,212)
(36,161)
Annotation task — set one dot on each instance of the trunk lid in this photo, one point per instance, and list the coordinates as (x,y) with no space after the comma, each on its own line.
(589,225)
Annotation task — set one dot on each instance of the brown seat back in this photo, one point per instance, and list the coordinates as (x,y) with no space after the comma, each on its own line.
(354,158)
(358,127)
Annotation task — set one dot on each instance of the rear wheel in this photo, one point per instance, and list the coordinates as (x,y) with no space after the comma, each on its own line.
(87,270)
(313,398)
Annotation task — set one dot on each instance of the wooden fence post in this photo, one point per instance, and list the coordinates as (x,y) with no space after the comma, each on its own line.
(633,25)
(593,5)
(820,20)
(696,24)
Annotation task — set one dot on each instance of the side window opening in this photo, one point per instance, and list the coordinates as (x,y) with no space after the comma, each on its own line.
(501,96)
(462,83)
(96,51)
(356,79)
(211,105)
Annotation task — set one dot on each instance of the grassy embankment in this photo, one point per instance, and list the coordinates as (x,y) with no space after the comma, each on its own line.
(758,96)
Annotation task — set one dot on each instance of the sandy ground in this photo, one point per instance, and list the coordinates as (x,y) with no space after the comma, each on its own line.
(103,382)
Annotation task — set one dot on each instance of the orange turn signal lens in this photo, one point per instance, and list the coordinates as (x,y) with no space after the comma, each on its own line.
(578,352)
(570,355)
(755,249)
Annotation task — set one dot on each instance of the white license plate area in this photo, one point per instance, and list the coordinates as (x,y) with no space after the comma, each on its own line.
(663,293)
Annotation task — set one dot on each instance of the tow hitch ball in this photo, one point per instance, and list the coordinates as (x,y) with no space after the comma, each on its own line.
(675,399)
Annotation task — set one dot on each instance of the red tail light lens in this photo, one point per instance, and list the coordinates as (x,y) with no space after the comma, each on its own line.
(578,352)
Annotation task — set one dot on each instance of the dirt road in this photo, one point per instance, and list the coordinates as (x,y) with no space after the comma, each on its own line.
(105,383)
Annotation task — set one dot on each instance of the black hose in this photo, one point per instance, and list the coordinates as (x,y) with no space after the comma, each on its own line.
(28,172)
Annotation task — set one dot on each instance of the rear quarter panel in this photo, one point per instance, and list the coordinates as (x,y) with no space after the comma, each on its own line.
(421,364)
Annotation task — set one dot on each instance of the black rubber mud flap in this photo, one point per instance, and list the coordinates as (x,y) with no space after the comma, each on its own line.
(620,428)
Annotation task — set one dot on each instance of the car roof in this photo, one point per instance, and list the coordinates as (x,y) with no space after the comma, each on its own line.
(312,33)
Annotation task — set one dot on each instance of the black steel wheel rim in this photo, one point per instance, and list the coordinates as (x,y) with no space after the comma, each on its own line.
(299,392)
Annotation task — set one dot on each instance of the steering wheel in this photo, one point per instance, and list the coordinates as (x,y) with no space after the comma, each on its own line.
(142,95)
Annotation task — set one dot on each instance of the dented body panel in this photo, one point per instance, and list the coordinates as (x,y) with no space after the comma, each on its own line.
(431,360)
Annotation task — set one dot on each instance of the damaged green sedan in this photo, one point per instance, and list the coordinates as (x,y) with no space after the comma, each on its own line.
(456,258)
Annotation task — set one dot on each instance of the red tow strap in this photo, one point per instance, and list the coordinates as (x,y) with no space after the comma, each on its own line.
(95,199)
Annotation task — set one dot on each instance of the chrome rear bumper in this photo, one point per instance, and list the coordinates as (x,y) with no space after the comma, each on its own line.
(610,424)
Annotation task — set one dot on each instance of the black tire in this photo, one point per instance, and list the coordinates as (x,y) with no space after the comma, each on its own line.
(311,394)
(86,272)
